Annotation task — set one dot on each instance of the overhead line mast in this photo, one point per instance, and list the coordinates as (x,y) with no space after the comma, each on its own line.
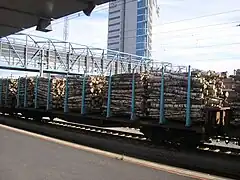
(65,31)
(86,11)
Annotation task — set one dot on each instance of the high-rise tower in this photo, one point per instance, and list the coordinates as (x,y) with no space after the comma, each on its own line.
(130,26)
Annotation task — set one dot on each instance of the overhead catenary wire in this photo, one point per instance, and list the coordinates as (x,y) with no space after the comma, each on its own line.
(186,29)
(100,9)
(197,45)
(208,46)
(183,20)
(179,30)
(197,34)
(77,15)
(192,28)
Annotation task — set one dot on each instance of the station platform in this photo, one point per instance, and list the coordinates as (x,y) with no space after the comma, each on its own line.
(25,155)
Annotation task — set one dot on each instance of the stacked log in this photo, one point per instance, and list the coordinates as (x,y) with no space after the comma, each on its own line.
(30,91)
(235,102)
(74,93)
(206,91)
(215,96)
(21,87)
(95,91)
(9,92)
(58,93)
(175,93)
(142,94)
(121,94)
(153,90)
(229,83)
(95,88)
(43,92)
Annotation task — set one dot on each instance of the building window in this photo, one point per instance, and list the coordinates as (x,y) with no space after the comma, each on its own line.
(140,52)
(141,3)
(140,46)
(141,25)
(141,39)
(114,24)
(141,32)
(113,43)
(113,37)
(142,11)
(141,18)
(113,12)
(114,30)
(117,17)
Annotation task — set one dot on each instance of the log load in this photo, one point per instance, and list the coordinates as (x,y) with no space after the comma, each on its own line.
(121,94)
(95,89)
(153,94)
(43,93)
(9,99)
(30,91)
(142,96)
(206,91)
(235,101)
(74,93)
(58,93)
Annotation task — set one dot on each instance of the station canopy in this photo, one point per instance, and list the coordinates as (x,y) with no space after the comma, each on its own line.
(17,15)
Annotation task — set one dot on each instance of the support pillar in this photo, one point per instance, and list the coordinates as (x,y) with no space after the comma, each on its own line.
(188,110)
(83,95)
(162,117)
(109,94)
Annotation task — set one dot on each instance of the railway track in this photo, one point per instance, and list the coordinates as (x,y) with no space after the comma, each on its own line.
(217,148)
(100,130)
(223,145)
(140,138)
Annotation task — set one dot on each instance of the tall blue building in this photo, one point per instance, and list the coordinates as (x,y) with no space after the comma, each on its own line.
(130,26)
(144,28)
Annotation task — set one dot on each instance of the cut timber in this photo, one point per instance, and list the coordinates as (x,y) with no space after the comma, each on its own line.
(95,88)
(9,92)
(206,91)
(121,94)
(29,91)
(234,98)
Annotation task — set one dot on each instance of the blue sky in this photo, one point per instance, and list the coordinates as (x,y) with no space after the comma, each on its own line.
(212,42)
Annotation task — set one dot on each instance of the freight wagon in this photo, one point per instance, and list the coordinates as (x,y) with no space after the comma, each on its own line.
(179,106)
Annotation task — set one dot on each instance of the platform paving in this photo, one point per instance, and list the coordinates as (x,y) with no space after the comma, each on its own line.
(24,157)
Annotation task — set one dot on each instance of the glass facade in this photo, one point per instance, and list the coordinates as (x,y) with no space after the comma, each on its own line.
(143,33)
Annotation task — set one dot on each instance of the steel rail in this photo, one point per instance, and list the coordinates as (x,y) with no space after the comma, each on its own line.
(135,138)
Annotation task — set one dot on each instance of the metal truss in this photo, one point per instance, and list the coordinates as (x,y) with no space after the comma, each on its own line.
(37,54)
(168,67)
